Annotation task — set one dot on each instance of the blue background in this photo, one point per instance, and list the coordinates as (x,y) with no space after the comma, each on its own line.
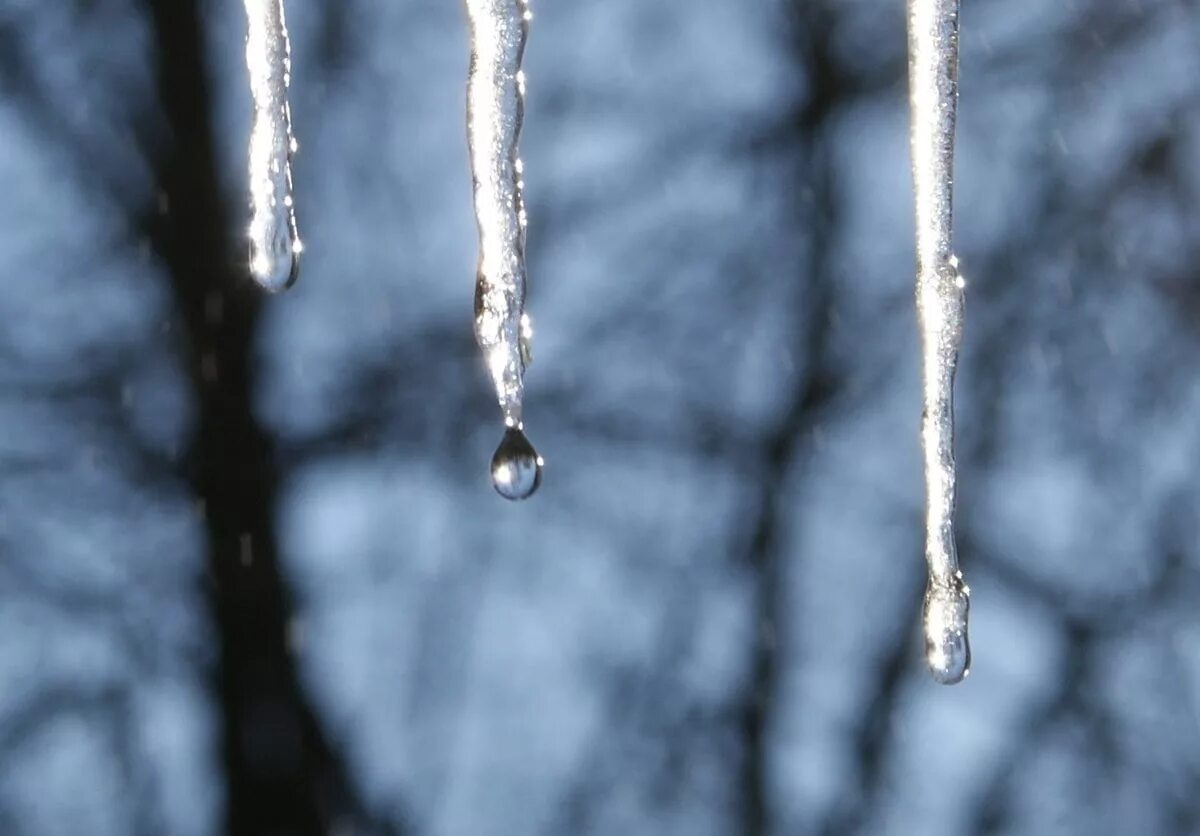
(706,620)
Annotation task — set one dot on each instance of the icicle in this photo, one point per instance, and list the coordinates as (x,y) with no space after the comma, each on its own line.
(495,108)
(933,92)
(274,241)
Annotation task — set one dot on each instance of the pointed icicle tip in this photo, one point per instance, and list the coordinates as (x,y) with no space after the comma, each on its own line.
(947,648)
(516,466)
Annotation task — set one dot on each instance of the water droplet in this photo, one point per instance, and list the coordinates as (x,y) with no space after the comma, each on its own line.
(947,650)
(277,266)
(516,467)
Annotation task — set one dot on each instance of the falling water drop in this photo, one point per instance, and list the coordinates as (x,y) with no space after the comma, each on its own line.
(274,238)
(516,466)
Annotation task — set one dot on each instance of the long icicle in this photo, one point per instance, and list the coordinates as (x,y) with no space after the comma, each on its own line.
(933,94)
(495,109)
(274,239)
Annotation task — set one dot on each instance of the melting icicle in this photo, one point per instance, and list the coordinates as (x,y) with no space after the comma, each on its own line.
(933,93)
(274,241)
(495,108)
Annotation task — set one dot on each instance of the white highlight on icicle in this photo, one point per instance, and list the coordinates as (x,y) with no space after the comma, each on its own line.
(933,94)
(495,109)
(274,240)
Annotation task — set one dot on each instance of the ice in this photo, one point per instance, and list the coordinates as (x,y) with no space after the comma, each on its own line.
(933,93)
(274,239)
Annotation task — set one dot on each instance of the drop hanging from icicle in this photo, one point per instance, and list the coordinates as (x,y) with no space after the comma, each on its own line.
(274,239)
(495,109)
(933,95)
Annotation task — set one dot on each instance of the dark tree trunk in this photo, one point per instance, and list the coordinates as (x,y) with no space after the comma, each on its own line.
(281,774)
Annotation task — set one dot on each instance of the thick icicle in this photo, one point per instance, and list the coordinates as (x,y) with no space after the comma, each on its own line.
(933,93)
(274,240)
(495,108)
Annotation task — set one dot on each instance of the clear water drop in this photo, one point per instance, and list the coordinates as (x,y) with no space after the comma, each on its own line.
(516,466)
(275,266)
(947,649)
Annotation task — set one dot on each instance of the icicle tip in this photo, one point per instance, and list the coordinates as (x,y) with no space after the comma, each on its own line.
(275,271)
(947,648)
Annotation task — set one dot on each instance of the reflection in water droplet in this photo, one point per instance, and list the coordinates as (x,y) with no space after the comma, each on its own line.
(516,467)
(947,650)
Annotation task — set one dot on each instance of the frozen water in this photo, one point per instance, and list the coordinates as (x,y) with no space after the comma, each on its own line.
(274,239)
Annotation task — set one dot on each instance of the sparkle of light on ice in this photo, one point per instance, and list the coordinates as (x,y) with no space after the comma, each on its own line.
(495,109)
(274,240)
(933,93)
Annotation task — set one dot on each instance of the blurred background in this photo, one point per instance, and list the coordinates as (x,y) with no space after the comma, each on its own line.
(253,575)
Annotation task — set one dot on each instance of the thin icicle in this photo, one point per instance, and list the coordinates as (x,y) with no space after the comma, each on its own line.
(933,93)
(495,108)
(274,240)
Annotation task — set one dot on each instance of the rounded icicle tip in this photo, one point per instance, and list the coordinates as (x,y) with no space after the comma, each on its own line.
(275,269)
(947,649)
(516,466)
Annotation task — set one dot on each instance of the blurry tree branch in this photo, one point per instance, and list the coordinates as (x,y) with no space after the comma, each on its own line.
(282,773)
